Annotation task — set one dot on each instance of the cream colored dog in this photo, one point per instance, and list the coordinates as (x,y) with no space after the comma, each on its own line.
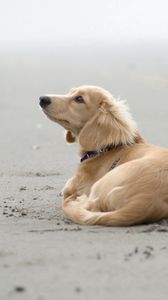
(121,179)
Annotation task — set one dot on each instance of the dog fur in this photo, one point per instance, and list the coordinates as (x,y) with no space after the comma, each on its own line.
(136,190)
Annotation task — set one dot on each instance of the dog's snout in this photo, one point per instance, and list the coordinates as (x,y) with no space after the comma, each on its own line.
(44,101)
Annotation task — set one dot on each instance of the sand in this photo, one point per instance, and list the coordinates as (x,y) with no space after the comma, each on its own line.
(42,254)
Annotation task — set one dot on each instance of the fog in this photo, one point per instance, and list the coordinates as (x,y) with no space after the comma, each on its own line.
(32,22)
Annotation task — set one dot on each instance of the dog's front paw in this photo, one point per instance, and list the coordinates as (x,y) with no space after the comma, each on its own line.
(60,194)
(69,188)
(66,193)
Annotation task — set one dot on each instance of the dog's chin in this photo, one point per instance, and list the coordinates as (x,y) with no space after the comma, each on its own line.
(63,123)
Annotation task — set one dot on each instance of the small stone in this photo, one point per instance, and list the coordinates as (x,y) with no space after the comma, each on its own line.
(20,289)
(147,253)
(23,213)
(98,256)
(5,266)
(22,188)
(36,147)
(78,289)
(48,187)
(38,174)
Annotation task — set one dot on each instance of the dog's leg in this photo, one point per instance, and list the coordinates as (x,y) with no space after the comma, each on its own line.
(122,197)
(76,186)
(135,212)
(69,188)
(118,206)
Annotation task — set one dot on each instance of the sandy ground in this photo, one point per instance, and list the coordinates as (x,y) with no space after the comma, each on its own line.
(43,255)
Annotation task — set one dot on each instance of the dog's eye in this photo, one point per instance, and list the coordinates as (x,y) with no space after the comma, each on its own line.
(79,99)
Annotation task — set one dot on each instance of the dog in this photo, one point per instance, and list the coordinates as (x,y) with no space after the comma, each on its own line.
(121,180)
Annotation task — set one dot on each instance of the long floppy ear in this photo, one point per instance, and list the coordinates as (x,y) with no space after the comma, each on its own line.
(70,138)
(111,125)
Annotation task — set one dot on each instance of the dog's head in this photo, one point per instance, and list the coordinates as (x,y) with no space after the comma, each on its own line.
(91,115)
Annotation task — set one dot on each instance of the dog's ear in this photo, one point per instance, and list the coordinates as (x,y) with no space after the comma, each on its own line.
(111,125)
(70,138)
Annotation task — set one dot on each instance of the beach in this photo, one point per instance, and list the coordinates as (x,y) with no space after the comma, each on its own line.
(42,254)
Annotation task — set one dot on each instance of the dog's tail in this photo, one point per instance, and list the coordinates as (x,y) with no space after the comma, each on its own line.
(133,213)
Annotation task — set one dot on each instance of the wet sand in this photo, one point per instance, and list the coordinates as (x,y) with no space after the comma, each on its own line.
(42,254)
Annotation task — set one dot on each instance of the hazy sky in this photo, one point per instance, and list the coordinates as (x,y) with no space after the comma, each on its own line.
(25,21)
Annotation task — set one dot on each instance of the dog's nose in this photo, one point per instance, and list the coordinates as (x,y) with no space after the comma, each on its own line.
(44,101)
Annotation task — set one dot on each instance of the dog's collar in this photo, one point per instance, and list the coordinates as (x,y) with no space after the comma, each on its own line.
(90,154)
